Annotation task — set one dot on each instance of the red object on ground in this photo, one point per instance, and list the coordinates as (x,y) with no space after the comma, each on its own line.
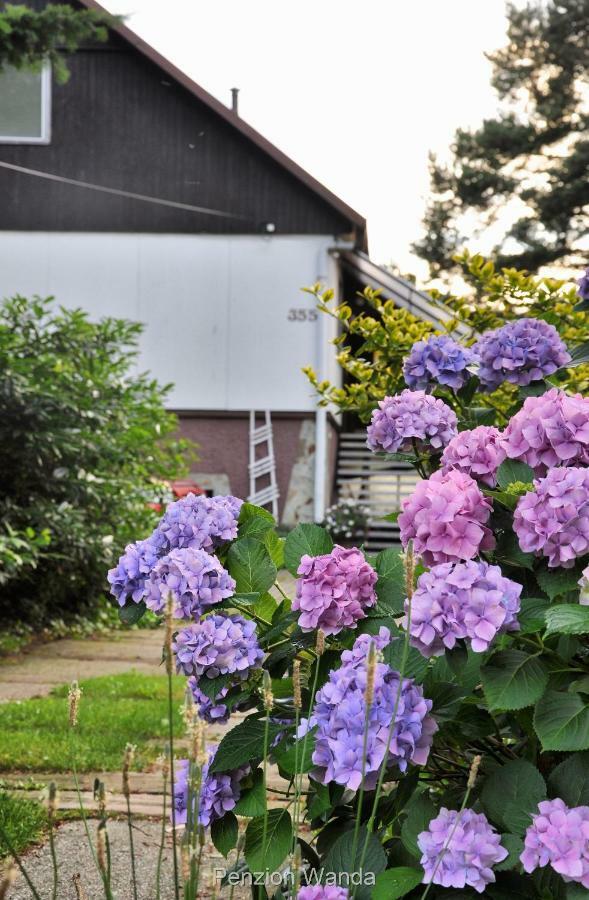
(179,489)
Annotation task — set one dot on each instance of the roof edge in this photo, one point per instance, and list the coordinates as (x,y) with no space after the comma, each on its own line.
(233,119)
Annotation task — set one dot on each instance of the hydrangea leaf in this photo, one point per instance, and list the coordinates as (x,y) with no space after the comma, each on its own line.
(249,563)
(561,721)
(396,883)
(532,614)
(252,801)
(275,547)
(420,812)
(511,794)
(242,744)
(570,780)
(224,833)
(292,761)
(212,687)
(514,845)
(567,618)
(416,664)
(305,539)
(390,587)
(254,521)
(513,679)
(262,858)
(579,355)
(556,582)
(132,612)
(340,860)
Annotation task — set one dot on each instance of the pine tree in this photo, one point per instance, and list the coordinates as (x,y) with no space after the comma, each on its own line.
(524,173)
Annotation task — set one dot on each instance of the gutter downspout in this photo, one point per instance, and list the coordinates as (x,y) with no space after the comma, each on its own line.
(321,442)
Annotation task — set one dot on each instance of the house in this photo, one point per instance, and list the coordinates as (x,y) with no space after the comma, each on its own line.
(130,191)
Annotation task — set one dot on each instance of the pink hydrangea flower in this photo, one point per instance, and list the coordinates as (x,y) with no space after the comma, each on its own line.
(334,590)
(553,519)
(548,431)
(408,417)
(479,453)
(559,837)
(446,518)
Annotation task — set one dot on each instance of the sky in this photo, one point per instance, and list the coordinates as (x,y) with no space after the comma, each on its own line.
(355,91)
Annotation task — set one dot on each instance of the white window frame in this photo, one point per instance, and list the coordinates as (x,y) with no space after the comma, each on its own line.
(45,136)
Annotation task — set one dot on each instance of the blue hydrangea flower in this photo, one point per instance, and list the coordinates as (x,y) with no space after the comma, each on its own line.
(583,286)
(437,360)
(408,418)
(203,523)
(218,645)
(129,578)
(520,352)
(219,791)
(195,580)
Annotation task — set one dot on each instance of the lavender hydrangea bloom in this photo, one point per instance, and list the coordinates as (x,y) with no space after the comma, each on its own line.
(199,522)
(322,892)
(470,600)
(128,580)
(519,352)
(219,791)
(437,360)
(548,431)
(472,850)
(559,837)
(193,578)
(553,519)
(340,714)
(334,590)
(446,517)
(411,416)
(583,286)
(478,452)
(218,645)
(214,711)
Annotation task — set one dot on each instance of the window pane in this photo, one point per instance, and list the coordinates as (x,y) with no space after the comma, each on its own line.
(20,103)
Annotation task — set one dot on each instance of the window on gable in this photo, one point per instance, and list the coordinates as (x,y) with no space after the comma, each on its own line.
(25,106)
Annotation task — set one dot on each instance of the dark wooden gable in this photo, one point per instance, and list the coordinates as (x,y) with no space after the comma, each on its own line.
(123,122)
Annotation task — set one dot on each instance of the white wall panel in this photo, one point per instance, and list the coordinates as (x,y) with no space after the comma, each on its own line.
(225,317)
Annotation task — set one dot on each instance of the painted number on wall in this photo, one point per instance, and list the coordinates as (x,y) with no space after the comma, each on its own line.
(302,315)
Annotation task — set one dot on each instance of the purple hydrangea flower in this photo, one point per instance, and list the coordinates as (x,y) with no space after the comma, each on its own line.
(323,892)
(128,580)
(199,522)
(219,791)
(473,848)
(193,578)
(437,360)
(213,711)
(479,453)
(334,590)
(583,286)
(411,416)
(548,431)
(470,600)
(218,645)
(446,517)
(520,352)
(553,519)
(559,837)
(340,714)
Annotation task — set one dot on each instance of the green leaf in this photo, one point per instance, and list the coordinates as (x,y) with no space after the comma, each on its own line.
(511,794)
(567,619)
(257,524)
(292,761)
(249,563)
(242,744)
(132,612)
(252,801)
(265,607)
(420,812)
(275,547)
(512,470)
(320,801)
(267,858)
(224,833)
(579,354)
(561,721)
(340,860)
(416,665)
(576,892)
(396,883)
(305,539)
(212,687)
(509,551)
(243,599)
(556,582)
(513,679)
(390,587)
(250,511)
(570,780)
(532,614)
(514,845)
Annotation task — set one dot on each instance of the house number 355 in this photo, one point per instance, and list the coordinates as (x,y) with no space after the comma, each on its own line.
(302,315)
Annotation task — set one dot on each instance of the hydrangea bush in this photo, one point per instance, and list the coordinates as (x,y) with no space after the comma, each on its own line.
(426,707)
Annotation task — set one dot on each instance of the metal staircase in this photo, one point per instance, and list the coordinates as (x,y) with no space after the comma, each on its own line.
(262,463)
(378,485)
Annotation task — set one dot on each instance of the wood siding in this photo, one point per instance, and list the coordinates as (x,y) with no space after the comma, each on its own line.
(120,122)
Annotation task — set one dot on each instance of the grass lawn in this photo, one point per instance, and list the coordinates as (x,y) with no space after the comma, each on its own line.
(114,710)
(23,821)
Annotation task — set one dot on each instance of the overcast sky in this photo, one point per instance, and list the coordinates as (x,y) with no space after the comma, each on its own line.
(356,92)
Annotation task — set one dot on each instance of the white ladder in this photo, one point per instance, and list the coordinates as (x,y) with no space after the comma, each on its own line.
(264,467)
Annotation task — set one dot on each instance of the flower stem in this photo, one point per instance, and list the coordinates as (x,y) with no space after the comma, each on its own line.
(169,669)
(158,874)
(8,844)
